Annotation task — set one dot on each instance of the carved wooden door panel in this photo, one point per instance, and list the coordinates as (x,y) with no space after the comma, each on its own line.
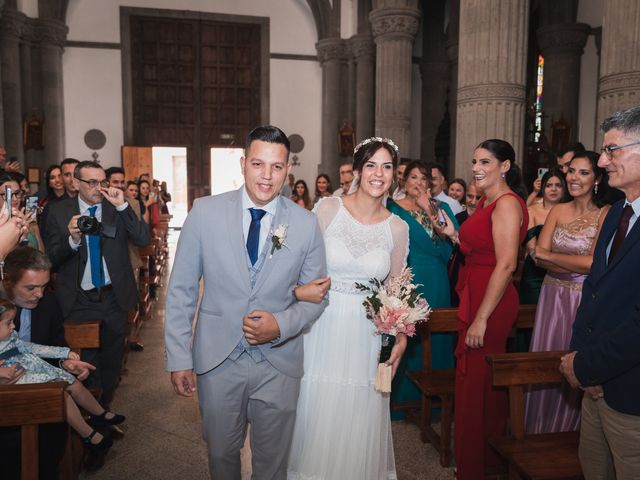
(195,84)
(137,160)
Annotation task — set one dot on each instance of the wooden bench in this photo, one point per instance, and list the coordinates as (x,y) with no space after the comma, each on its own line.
(540,456)
(440,384)
(27,406)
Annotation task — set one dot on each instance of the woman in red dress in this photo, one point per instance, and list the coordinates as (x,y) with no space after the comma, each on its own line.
(489,239)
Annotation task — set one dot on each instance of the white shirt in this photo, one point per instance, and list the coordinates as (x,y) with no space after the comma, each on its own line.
(86,283)
(455,206)
(635,206)
(265,223)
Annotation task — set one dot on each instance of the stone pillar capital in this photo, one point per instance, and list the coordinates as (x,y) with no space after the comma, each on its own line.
(52,32)
(563,38)
(12,24)
(331,50)
(399,22)
(362,46)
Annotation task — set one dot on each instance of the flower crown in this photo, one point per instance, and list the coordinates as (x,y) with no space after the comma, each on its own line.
(388,141)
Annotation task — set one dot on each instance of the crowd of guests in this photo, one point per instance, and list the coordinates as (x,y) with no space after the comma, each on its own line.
(467,243)
(68,254)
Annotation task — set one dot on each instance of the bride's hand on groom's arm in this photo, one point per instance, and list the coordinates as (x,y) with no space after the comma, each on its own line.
(184,383)
(260,327)
(396,352)
(314,291)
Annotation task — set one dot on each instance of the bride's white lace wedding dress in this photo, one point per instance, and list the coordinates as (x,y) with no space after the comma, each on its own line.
(343,428)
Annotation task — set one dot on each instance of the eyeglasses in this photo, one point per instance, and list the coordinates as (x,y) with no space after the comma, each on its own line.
(94,183)
(17,194)
(471,197)
(609,149)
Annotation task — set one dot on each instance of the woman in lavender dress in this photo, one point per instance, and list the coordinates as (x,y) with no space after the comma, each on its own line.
(565,249)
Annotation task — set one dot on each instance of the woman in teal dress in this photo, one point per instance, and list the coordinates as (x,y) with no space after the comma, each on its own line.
(428,258)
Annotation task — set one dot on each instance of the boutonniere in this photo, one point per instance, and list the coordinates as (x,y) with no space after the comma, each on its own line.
(278,238)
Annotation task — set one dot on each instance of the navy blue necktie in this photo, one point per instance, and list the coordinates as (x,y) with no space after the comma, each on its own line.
(95,258)
(253,239)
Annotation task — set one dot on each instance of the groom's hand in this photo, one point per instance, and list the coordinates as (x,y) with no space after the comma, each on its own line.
(183,383)
(260,327)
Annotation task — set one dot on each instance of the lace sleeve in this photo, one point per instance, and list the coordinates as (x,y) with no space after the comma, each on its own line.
(326,210)
(400,235)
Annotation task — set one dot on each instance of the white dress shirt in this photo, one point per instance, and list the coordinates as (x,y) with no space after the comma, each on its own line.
(265,223)
(86,283)
(456,208)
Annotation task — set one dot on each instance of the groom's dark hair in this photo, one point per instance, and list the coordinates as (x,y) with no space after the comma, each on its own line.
(267,133)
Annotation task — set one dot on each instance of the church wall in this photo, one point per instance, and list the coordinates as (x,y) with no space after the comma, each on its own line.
(93,78)
(590,12)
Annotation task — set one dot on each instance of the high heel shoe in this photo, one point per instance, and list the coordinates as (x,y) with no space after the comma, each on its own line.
(105,444)
(102,420)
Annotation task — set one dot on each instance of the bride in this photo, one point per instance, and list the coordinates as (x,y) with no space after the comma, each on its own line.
(343,427)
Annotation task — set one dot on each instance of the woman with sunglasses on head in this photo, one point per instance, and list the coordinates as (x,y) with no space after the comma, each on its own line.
(490,240)
(429,254)
(565,249)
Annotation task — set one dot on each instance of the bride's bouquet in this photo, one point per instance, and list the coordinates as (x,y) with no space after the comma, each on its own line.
(393,308)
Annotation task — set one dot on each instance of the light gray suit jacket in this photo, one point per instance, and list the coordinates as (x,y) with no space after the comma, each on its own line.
(212,247)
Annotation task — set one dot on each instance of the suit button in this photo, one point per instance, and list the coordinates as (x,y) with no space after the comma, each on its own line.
(589,330)
(593,295)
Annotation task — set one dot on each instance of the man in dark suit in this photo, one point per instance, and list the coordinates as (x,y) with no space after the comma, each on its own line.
(605,360)
(94,275)
(39,320)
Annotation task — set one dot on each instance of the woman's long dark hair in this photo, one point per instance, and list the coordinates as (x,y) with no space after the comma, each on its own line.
(306,199)
(329,188)
(503,151)
(557,173)
(602,177)
(51,194)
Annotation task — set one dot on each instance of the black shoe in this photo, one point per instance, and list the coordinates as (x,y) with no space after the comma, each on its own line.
(105,444)
(136,346)
(102,420)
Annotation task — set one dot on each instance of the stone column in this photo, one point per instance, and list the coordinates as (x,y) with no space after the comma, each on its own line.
(331,54)
(453,34)
(394,25)
(363,50)
(491,76)
(562,45)
(434,70)
(12,23)
(29,99)
(52,34)
(619,85)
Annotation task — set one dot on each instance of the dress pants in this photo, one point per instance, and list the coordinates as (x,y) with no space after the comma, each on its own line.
(243,391)
(113,332)
(609,442)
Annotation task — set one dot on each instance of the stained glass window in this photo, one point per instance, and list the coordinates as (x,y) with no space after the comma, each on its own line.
(539,85)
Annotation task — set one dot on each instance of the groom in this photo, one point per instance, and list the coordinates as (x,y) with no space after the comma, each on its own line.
(246,349)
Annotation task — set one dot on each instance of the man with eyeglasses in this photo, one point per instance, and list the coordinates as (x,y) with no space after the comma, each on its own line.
(605,356)
(94,275)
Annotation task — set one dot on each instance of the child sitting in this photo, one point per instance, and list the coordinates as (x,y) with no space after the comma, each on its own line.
(25,358)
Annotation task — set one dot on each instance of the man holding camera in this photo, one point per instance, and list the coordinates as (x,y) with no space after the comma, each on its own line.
(87,241)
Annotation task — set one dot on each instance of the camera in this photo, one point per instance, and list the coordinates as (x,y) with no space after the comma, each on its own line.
(89,225)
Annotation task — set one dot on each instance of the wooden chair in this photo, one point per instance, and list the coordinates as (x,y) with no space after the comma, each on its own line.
(27,406)
(541,456)
(438,384)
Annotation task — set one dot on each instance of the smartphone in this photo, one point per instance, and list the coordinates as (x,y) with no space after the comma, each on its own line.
(31,203)
(435,206)
(542,171)
(8,197)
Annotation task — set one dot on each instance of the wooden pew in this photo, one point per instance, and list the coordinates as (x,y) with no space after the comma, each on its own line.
(436,383)
(440,384)
(541,456)
(27,406)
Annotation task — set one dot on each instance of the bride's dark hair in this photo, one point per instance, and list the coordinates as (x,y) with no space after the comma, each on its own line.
(368,150)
